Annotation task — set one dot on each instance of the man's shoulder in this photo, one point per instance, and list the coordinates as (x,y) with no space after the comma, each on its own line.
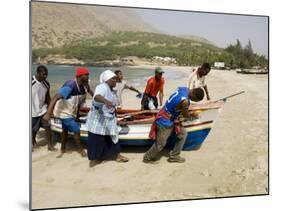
(68,87)
(122,83)
(33,80)
(151,78)
(193,73)
(70,83)
(46,84)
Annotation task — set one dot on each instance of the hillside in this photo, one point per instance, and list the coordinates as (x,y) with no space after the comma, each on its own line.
(98,35)
(197,39)
(118,45)
(56,24)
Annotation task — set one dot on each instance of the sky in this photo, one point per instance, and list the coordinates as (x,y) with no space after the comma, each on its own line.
(220,29)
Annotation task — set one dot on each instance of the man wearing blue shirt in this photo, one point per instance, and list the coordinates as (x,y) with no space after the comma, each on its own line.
(65,105)
(167,121)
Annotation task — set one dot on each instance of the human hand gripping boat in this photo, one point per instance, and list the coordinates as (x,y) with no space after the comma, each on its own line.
(134,125)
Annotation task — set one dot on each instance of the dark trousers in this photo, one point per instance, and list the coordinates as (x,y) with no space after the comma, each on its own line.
(161,140)
(146,102)
(101,147)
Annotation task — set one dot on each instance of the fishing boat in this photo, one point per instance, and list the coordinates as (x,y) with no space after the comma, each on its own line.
(134,125)
(250,71)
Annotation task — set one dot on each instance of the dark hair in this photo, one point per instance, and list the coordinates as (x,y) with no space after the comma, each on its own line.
(117,71)
(41,68)
(199,93)
(206,65)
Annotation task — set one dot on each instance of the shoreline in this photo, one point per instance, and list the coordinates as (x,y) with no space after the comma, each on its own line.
(183,70)
(232,161)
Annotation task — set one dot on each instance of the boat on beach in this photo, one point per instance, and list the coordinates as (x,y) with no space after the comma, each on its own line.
(134,125)
(250,71)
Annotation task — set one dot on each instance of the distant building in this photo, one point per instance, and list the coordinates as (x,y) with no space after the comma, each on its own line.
(219,65)
(166,60)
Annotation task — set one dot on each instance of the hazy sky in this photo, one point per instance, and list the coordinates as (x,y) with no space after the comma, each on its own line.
(220,29)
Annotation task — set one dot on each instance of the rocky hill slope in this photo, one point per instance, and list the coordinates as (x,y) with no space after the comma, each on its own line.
(56,24)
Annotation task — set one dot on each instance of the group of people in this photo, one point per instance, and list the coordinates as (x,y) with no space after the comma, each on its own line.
(106,99)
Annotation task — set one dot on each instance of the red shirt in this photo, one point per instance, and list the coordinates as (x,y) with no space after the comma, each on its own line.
(153,87)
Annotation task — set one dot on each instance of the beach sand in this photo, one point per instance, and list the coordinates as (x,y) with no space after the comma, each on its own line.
(232,161)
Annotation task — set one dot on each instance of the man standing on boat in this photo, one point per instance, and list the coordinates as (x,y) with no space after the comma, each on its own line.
(154,85)
(40,100)
(168,120)
(197,78)
(120,86)
(66,103)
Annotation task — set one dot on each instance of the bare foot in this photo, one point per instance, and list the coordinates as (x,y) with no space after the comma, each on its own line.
(121,159)
(83,153)
(35,146)
(51,148)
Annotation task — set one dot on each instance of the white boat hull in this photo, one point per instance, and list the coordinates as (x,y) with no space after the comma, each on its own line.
(197,127)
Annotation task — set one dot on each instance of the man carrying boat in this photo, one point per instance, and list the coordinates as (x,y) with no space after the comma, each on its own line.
(120,86)
(197,78)
(154,86)
(66,103)
(168,120)
(40,100)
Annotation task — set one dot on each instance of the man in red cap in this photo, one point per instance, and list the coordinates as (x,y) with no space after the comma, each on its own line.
(65,105)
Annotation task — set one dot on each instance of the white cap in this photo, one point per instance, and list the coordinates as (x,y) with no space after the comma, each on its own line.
(106,75)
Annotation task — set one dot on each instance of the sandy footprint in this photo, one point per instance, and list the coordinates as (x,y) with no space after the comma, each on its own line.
(50,179)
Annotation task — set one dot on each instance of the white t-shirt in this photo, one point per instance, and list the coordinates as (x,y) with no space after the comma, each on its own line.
(120,86)
(39,91)
(105,91)
(194,81)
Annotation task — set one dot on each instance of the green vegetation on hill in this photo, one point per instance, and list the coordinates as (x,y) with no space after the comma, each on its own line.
(147,45)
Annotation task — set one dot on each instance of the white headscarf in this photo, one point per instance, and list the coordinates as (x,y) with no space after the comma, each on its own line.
(106,75)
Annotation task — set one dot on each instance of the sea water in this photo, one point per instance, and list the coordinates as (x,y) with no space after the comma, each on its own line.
(137,77)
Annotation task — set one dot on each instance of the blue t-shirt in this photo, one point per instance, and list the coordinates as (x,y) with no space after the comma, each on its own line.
(170,106)
(71,88)
(73,96)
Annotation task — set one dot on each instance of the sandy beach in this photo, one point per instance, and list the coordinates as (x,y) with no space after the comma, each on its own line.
(232,161)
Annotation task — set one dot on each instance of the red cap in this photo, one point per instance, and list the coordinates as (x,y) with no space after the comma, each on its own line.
(81,71)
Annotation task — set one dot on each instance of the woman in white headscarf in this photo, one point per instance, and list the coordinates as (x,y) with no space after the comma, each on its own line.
(102,122)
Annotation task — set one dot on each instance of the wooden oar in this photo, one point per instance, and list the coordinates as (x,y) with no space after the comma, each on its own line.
(238,93)
(138,113)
